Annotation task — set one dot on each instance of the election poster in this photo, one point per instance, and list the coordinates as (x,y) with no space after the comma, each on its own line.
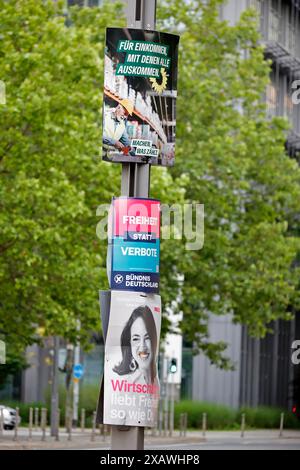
(131,385)
(134,244)
(140,91)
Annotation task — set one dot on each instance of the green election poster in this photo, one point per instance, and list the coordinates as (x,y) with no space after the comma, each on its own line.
(140,91)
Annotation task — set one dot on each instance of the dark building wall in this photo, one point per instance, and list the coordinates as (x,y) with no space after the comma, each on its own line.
(295,388)
(266,367)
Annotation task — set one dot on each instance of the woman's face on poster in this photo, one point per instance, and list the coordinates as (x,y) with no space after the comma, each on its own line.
(141,344)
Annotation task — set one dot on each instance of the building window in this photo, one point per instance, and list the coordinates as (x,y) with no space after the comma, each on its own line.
(84,3)
(291,33)
(256,4)
(274,23)
(292,39)
(79,3)
(288,107)
(94,3)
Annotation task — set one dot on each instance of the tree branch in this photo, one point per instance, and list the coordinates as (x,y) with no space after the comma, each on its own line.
(6,246)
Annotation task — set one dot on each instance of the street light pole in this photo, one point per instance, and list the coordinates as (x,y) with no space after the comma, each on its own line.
(54,387)
(136,176)
(76,382)
(171,425)
(135,183)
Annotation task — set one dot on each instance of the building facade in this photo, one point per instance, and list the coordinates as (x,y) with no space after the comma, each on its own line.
(264,373)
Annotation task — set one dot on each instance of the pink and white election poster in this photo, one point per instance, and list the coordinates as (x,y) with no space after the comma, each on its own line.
(134,244)
(131,385)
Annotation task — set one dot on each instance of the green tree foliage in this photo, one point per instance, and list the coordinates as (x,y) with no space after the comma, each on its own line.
(52,180)
(51,264)
(51,177)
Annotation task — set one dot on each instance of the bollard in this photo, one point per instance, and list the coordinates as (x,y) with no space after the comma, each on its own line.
(185,423)
(105,431)
(17,424)
(171,414)
(82,419)
(171,423)
(30,423)
(70,424)
(43,423)
(58,422)
(67,419)
(281,424)
(204,424)
(243,424)
(42,420)
(93,426)
(1,421)
(46,411)
(181,425)
(36,419)
(160,418)
(166,421)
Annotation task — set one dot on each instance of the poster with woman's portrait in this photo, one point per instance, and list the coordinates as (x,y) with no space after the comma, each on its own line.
(131,385)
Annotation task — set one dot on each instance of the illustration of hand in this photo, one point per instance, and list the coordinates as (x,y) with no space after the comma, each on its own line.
(119,145)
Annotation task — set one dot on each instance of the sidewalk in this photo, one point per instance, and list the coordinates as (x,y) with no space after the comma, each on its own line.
(80,440)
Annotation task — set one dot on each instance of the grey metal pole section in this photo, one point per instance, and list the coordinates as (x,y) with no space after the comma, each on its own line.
(36,418)
(58,421)
(243,425)
(166,408)
(93,426)
(171,425)
(82,420)
(1,421)
(281,424)
(204,424)
(135,182)
(76,383)
(16,425)
(162,393)
(70,424)
(30,423)
(44,423)
(54,388)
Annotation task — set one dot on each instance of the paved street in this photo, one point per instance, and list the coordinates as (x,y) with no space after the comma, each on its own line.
(214,440)
(253,440)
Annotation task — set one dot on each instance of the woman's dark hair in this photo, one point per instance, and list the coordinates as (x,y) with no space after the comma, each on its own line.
(146,314)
